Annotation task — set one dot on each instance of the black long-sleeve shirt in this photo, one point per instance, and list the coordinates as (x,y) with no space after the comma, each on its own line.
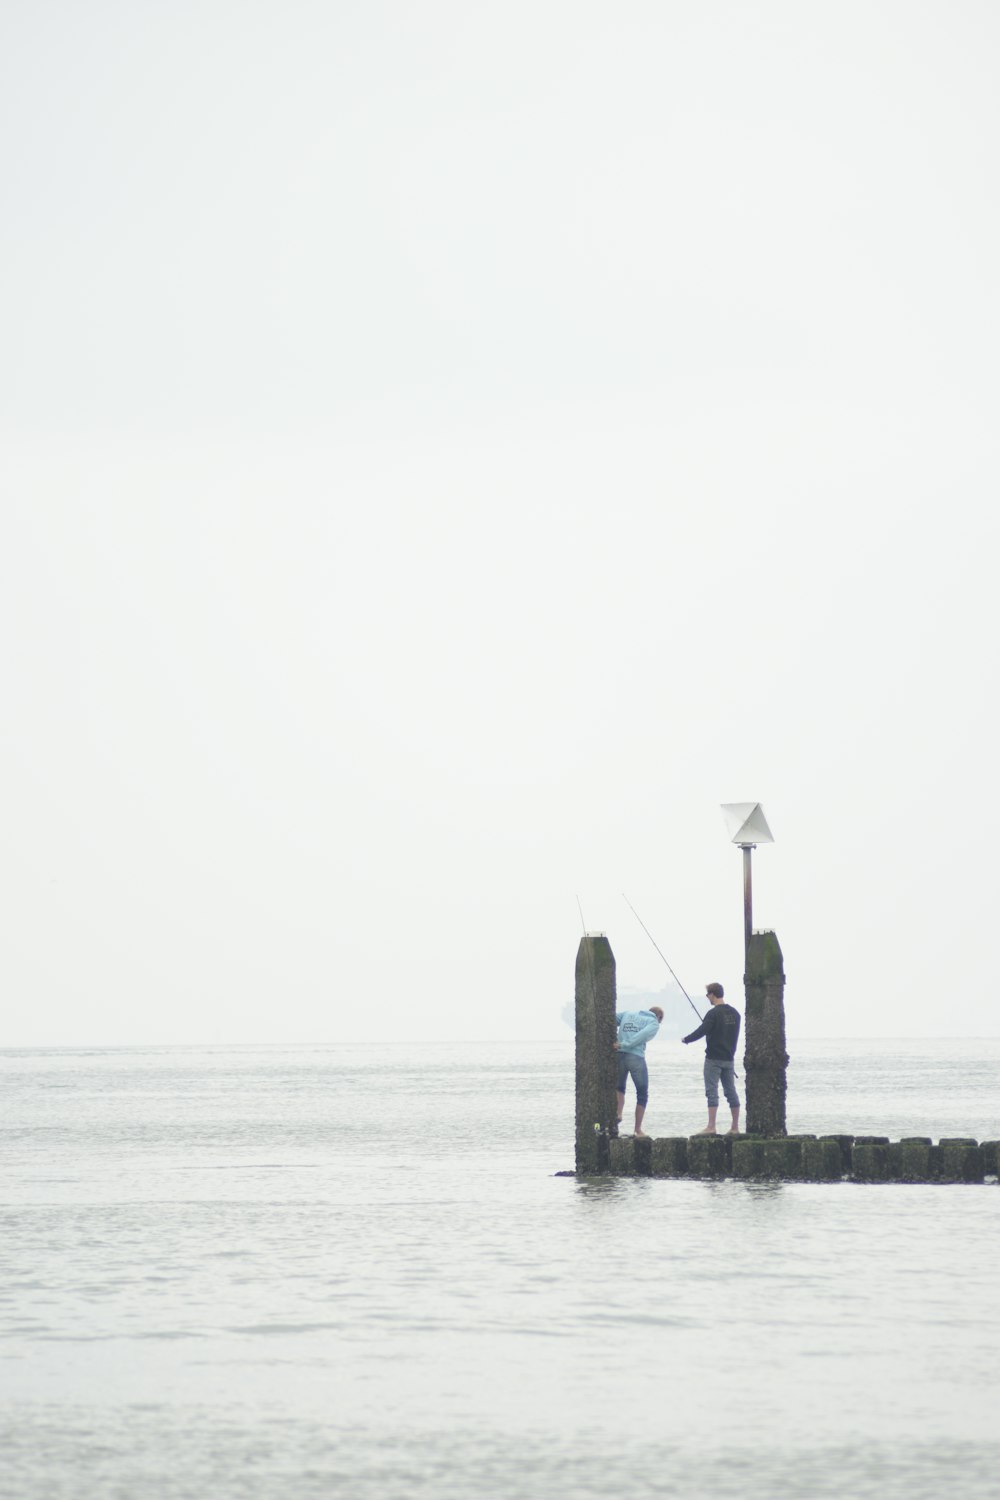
(721,1030)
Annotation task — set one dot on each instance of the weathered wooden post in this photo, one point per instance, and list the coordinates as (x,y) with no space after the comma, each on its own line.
(596,1068)
(765,1061)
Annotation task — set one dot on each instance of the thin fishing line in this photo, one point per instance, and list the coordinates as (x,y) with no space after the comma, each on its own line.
(660,951)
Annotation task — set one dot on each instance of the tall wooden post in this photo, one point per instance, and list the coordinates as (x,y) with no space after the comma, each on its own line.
(765,1061)
(596,1059)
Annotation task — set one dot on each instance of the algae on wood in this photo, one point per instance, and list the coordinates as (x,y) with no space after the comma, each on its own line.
(765,1060)
(596,1059)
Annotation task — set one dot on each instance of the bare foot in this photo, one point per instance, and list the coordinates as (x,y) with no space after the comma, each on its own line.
(734,1131)
(707,1131)
(641,1135)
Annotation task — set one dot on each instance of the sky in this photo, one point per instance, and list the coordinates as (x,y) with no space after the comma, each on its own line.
(448,450)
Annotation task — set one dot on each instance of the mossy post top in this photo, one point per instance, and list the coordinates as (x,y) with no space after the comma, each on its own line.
(594,949)
(764,958)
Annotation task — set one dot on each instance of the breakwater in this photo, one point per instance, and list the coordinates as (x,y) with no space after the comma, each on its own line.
(805,1158)
(767,1152)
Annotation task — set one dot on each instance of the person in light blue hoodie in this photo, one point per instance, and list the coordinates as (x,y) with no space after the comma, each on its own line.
(635,1029)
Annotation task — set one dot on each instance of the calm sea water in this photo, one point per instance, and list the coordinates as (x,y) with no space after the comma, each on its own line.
(343,1271)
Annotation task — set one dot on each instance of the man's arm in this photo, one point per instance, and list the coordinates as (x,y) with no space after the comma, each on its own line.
(703,1029)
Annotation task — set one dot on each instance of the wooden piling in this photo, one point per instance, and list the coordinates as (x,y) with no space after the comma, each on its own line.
(765,1061)
(596,1059)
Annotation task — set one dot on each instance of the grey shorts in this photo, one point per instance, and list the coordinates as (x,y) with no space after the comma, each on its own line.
(724,1072)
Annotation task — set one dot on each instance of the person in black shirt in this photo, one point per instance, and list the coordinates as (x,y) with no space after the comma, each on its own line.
(721,1029)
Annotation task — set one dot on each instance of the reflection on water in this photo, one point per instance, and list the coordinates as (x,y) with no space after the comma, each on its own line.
(228,1273)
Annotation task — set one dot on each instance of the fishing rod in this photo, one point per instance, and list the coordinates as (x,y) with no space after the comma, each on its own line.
(660,951)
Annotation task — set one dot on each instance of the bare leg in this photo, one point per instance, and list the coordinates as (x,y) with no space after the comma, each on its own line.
(736,1121)
(621,1107)
(640,1110)
(713,1110)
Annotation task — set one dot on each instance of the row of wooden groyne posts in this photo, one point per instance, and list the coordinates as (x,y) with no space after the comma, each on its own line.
(766,1152)
(805,1158)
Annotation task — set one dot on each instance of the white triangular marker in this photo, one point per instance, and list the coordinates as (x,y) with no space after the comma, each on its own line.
(746,823)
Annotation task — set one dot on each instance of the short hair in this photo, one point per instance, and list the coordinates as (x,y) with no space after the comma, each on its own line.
(716,990)
(656,1011)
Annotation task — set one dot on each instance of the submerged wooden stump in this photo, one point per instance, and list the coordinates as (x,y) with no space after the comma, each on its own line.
(822,1160)
(961,1160)
(916,1155)
(844,1144)
(876,1161)
(779,1160)
(710,1156)
(669,1156)
(621,1157)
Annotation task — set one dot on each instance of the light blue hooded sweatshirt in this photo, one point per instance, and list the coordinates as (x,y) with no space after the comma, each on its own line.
(635,1029)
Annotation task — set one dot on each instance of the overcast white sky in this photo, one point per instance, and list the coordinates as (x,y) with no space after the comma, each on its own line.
(447,449)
